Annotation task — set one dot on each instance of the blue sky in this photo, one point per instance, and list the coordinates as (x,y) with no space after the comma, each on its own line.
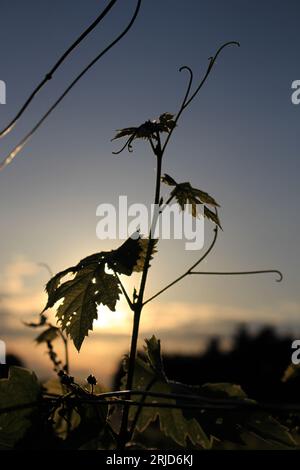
(238,141)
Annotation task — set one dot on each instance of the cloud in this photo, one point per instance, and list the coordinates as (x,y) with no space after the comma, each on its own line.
(192,320)
(14,275)
(21,295)
(182,326)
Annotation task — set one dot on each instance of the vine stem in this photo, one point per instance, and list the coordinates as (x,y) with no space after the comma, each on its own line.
(158,150)
(124,434)
(240,273)
(66,348)
(123,437)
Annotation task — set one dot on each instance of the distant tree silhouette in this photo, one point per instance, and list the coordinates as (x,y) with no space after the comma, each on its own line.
(255,361)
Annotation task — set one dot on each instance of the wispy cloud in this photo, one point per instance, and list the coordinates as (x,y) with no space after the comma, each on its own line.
(21,292)
(182,326)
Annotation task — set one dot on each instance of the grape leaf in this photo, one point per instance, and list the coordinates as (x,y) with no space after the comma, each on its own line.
(54,282)
(212,216)
(268,428)
(126,259)
(42,321)
(238,425)
(93,421)
(21,387)
(130,257)
(149,375)
(49,334)
(223,390)
(153,352)
(90,287)
(184,194)
(77,425)
(62,426)
(147,130)
(203,426)
(167,179)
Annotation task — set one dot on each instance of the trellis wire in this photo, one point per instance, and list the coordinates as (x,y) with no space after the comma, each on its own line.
(205,403)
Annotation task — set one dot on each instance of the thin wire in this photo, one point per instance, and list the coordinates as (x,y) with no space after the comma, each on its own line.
(8,159)
(49,75)
(231,406)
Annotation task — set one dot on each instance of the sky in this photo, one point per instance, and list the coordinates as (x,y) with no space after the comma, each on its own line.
(238,141)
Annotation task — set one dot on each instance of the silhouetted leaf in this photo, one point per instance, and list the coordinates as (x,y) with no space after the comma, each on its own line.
(49,334)
(217,424)
(92,425)
(54,282)
(64,419)
(184,194)
(153,352)
(237,425)
(76,425)
(172,421)
(144,243)
(147,130)
(205,198)
(90,287)
(130,257)
(223,390)
(268,428)
(127,131)
(167,120)
(212,216)
(203,426)
(41,322)
(167,179)
(20,388)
